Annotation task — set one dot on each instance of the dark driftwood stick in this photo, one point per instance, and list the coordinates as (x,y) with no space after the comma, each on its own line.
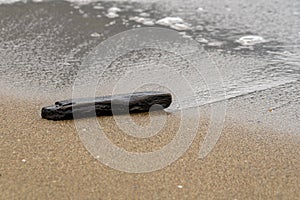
(85,107)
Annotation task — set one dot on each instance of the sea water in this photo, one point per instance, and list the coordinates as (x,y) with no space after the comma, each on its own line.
(254,49)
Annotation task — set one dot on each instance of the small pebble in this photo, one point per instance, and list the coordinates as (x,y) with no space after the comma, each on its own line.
(180,186)
(23,160)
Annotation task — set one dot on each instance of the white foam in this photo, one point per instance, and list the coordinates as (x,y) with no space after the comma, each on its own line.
(82,2)
(110,23)
(180,27)
(95,34)
(78,2)
(176,23)
(98,7)
(11,1)
(200,9)
(138,10)
(215,44)
(250,40)
(148,23)
(168,21)
(142,20)
(202,40)
(112,15)
(144,14)
(184,35)
(114,10)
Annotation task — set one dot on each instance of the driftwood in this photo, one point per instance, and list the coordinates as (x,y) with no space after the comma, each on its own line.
(107,105)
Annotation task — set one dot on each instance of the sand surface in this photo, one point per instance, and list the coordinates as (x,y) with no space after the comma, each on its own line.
(43,159)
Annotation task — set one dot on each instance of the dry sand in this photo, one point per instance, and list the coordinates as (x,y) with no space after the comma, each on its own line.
(43,159)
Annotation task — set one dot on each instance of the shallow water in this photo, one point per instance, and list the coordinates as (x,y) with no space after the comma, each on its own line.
(42,46)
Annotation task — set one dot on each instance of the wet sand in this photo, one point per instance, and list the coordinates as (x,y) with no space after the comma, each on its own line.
(43,159)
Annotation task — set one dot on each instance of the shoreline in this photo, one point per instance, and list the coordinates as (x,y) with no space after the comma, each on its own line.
(46,159)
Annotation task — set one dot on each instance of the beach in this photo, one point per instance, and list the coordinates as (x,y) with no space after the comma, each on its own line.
(45,46)
(43,159)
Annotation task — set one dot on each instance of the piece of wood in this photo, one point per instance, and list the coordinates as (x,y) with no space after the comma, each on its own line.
(121,104)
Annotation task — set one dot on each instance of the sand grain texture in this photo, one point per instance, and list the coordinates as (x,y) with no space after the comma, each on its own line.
(42,159)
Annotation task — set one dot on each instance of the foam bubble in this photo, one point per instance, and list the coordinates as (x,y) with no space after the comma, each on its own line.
(112,15)
(200,9)
(142,20)
(11,1)
(98,7)
(144,14)
(250,40)
(114,10)
(176,23)
(180,27)
(95,34)
(202,40)
(168,21)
